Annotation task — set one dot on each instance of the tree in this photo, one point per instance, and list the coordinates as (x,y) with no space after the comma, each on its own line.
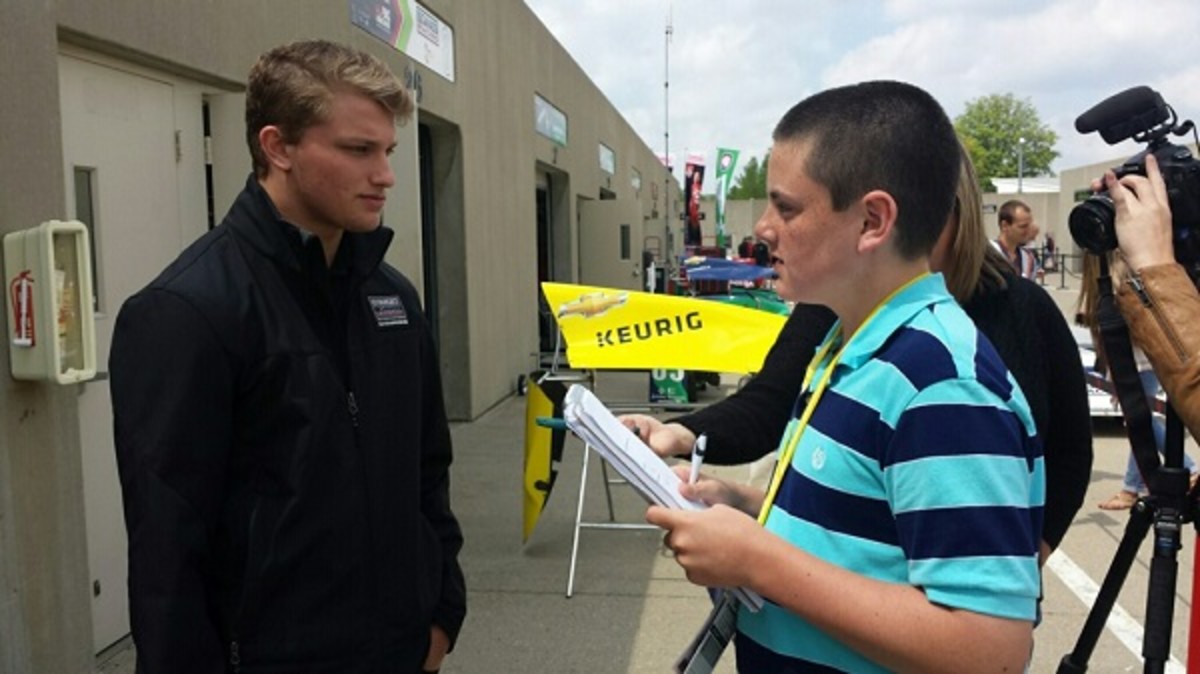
(991,129)
(751,183)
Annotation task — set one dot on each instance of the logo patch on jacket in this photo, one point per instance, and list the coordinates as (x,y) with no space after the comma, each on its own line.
(388,310)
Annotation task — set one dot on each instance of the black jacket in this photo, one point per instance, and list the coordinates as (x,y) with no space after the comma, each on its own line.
(284,457)
(1030,334)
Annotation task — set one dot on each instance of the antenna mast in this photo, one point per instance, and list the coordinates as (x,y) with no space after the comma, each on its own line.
(670,239)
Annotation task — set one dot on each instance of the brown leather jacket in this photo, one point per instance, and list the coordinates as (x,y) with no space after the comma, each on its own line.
(1162,308)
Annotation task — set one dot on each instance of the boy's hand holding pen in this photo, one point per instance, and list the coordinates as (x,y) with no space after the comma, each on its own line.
(697,457)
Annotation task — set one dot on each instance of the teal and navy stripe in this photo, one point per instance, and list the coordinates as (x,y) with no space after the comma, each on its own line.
(920,465)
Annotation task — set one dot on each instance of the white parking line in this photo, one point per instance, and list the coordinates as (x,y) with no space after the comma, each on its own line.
(1120,623)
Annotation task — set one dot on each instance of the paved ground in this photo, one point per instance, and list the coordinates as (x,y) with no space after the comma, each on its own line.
(632,609)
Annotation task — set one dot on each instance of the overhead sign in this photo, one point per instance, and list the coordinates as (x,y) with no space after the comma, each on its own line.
(549,120)
(409,28)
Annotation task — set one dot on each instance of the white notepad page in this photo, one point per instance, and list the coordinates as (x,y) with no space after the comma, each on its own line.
(649,475)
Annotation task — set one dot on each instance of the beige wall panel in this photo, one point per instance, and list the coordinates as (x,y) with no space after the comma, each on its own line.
(45,621)
(511,59)
(741,216)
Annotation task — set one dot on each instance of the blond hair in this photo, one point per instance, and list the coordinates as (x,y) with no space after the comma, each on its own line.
(971,261)
(292,86)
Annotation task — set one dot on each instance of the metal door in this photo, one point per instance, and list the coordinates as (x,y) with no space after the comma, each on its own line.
(122,156)
(610,243)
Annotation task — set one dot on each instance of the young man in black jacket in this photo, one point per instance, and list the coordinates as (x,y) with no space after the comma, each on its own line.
(281,435)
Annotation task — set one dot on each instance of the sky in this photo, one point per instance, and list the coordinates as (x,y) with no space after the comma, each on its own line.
(735,66)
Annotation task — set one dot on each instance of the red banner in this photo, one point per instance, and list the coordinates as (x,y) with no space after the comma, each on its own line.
(693,182)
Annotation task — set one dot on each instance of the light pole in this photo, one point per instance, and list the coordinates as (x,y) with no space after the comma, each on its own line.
(1020,163)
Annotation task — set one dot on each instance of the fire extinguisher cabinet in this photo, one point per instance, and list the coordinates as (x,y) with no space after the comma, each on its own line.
(51,321)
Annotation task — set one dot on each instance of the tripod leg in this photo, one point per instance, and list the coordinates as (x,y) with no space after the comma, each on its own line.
(1160,604)
(1194,622)
(1076,662)
(1170,494)
(1164,568)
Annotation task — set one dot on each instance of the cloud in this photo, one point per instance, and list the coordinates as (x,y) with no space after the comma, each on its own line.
(735,67)
(1063,57)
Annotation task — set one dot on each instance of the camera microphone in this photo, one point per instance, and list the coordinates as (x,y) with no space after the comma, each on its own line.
(1141,114)
(1123,115)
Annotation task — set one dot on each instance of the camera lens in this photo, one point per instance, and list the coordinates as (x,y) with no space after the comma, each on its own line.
(1091,224)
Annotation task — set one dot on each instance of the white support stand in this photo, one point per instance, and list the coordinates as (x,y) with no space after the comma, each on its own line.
(611,524)
(588,378)
(581,524)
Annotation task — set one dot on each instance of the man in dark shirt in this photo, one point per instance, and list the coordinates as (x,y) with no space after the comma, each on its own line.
(281,436)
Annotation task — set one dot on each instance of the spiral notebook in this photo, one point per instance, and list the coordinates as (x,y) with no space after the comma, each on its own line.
(645,471)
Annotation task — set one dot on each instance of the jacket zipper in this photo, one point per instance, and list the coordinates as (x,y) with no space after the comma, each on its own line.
(235,658)
(352,405)
(1135,282)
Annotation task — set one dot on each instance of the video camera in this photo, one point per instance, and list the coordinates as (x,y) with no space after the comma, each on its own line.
(1141,114)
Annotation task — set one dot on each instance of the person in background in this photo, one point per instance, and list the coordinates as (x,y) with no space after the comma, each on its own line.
(746,248)
(281,436)
(1017,230)
(1050,253)
(1022,321)
(1034,249)
(761,257)
(905,516)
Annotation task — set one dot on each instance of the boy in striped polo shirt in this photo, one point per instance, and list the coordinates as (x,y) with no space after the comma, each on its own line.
(902,526)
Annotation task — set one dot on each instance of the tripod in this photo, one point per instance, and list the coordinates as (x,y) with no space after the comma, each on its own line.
(1168,507)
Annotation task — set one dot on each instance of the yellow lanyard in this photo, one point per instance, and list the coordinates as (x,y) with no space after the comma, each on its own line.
(785,458)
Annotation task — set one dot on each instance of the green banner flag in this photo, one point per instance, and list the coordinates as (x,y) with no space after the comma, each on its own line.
(726,160)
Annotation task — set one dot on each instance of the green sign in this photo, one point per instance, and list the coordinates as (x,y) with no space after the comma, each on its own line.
(668,386)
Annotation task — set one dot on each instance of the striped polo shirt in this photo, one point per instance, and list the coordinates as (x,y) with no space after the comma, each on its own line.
(920,465)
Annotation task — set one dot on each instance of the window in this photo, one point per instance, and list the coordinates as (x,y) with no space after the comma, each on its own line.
(608,159)
(85,212)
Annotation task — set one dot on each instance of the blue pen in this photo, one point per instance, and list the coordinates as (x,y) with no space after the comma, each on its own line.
(697,457)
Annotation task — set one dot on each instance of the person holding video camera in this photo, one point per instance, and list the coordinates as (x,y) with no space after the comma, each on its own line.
(1157,298)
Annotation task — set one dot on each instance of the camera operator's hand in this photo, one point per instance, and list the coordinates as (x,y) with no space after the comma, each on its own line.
(1143,217)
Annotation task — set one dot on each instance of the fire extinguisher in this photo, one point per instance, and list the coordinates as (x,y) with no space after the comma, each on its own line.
(22,304)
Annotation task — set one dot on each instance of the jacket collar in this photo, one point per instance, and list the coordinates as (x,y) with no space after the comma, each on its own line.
(255,218)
